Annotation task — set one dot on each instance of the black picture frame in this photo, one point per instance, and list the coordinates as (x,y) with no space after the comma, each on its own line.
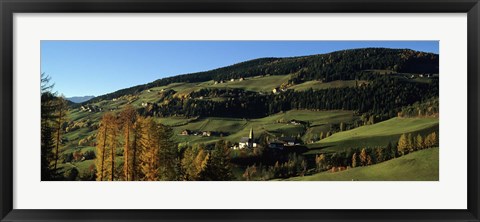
(9,7)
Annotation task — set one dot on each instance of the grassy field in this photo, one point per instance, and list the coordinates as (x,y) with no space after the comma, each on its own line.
(263,84)
(422,165)
(257,84)
(317,85)
(277,124)
(374,135)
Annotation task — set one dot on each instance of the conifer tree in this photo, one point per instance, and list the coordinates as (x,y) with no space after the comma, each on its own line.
(342,126)
(218,165)
(431,140)
(136,148)
(434,139)
(112,143)
(102,153)
(403,146)
(250,172)
(128,117)
(364,157)
(47,110)
(47,147)
(320,162)
(419,142)
(369,160)
(168,154)
(149,155)
(200,163)
(60,115)
(379,154)
(355,160)
(188,168)
(410,143)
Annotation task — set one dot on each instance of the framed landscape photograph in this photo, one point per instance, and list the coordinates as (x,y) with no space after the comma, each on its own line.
(251,111)
(279,110)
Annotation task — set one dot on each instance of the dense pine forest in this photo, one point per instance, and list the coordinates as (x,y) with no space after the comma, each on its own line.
(264,119)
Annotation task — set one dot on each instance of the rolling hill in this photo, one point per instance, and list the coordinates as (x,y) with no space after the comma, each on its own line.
(339,65)
(379,134)
(418,166)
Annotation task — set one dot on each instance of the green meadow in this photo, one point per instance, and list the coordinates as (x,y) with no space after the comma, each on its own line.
(418,166)
(379,134)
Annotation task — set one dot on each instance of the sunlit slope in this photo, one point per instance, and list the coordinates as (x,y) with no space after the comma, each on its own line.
(375,135)
(318,85)
(235,128)
(418,166)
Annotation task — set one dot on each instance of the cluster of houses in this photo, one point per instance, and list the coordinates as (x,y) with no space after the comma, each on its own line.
(282,142)
(231,80)
(90,108)
(145,104)
(279,143)
(249,142)
(413,76)
(293,122)
(279,90)
(201,133)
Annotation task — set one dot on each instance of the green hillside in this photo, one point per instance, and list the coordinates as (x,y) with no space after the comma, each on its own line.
(258,83)
(418,166)
(339,65)
(375,135)
(277,125)
(316,85)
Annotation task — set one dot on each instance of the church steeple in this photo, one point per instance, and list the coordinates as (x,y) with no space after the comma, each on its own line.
(250,136)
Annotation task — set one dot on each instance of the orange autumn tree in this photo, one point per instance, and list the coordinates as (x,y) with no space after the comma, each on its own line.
(106,147)
(149,154)
(127,120)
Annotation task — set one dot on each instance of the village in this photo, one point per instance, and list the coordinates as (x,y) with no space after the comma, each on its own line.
(250,142)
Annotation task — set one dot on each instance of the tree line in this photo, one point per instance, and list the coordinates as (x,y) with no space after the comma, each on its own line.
(383,98)
(428,108)
(368,156)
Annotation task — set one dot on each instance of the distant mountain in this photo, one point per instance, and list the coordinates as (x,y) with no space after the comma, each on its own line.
(80,99)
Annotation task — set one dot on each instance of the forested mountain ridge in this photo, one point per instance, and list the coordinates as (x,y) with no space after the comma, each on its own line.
(340,65)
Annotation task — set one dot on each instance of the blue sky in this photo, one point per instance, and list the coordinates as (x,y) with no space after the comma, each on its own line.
(80,68)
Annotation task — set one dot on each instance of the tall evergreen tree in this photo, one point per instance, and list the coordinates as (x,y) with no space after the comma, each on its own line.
(127,119)
(419,144)
(104,147)
(355,160)
(112,143)
(364,157)
(149,155)
(403,144)
(61,110)
(47,110)
(168,154)
(218,166)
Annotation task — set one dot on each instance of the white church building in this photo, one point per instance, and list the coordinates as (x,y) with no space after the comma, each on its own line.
(247,142)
